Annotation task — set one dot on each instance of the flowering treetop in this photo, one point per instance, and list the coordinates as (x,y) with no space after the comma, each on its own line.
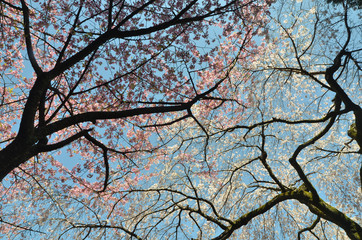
(182,119)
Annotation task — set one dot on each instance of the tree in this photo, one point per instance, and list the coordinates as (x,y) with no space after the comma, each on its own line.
(352,3)
(66,47)
(245,138)
(101,70)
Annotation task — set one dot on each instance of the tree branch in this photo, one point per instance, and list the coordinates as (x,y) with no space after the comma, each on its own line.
(29,46)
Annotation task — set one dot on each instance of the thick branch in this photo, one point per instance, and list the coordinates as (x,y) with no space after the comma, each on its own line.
(58,145)
(335,86)
(246,218)
(321,209)
(94,116)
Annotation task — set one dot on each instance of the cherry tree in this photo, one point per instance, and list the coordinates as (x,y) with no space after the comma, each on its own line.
(288,166)
(351,3)
(180,120)
(101,80)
